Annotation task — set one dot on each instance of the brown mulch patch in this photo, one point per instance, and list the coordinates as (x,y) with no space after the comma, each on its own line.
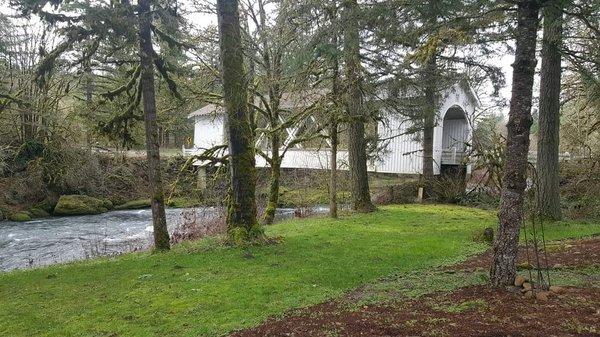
(574,253)
(470,311)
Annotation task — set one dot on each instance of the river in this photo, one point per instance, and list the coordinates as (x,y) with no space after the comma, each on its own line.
(62,239)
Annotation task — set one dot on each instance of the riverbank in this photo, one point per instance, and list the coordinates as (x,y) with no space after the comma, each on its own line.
(204,289)
(299,189)
(54,240)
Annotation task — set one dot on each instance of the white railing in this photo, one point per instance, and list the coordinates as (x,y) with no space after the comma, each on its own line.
(563,156)
(452,156)
(192,151)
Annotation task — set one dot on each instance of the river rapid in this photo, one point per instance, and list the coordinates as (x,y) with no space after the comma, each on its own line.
(62,239)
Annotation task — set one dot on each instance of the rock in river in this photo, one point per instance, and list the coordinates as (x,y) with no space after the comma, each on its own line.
(81,205)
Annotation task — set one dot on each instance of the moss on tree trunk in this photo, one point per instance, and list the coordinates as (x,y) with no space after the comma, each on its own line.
(157,198)
(241,217)
(357,154)
(273,192)
(430,108)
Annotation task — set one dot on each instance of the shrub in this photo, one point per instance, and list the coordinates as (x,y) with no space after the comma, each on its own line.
(6,153)
(71,170)
(25,187)
(580,189)
(404,193)
(448,189)
(38,213)
(29,150)
(198,223)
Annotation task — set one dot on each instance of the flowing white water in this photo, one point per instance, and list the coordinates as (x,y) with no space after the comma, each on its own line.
(62,239)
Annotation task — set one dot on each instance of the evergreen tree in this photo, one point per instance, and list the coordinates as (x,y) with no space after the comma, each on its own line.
(549,111)
(148,92)
(503,269)
(357,151)
(422,48)
(242,222)
(104,30)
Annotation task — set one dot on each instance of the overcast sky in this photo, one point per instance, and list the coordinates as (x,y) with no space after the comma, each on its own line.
(204,19)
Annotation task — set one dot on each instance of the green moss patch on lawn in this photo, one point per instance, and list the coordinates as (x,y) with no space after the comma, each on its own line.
(204,289)
(560,230)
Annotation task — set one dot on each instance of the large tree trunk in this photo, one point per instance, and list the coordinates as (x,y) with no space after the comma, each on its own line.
(241,217)
(333,133)
(357,154)
(89,90)
(429,114)
(159,219)
(428,128)
(547,152)
(333,138)
(503,267)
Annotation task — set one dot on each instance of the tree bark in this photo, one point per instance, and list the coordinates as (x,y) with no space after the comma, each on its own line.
(429,114)
(333,138)
(241,217)
(159,219)
(273,192)
(275,178)
(549,121)
(503,267)
(333,132)
(357,155)
(89,88)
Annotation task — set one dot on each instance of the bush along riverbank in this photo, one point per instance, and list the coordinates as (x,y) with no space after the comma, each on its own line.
(83,182)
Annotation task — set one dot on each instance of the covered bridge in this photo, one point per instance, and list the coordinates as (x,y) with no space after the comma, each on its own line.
(403,154)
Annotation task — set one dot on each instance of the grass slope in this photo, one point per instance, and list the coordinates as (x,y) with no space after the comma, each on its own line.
(202,289)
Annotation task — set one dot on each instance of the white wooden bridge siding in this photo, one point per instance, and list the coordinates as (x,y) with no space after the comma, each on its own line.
(405,154)
(208,131)
(310,159)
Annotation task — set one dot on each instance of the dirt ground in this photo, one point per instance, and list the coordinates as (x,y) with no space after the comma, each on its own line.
(580,253)
(469,311)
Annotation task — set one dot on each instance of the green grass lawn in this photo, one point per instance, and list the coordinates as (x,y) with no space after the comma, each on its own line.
(201,288)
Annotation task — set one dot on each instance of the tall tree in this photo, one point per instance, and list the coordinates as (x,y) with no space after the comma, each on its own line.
(321,26)
(549,118)
(281,49)
(357,154)
(429,46)
(157,199)
(107,32)
(430,88)
(242,205)
(505,249)
(334,130)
